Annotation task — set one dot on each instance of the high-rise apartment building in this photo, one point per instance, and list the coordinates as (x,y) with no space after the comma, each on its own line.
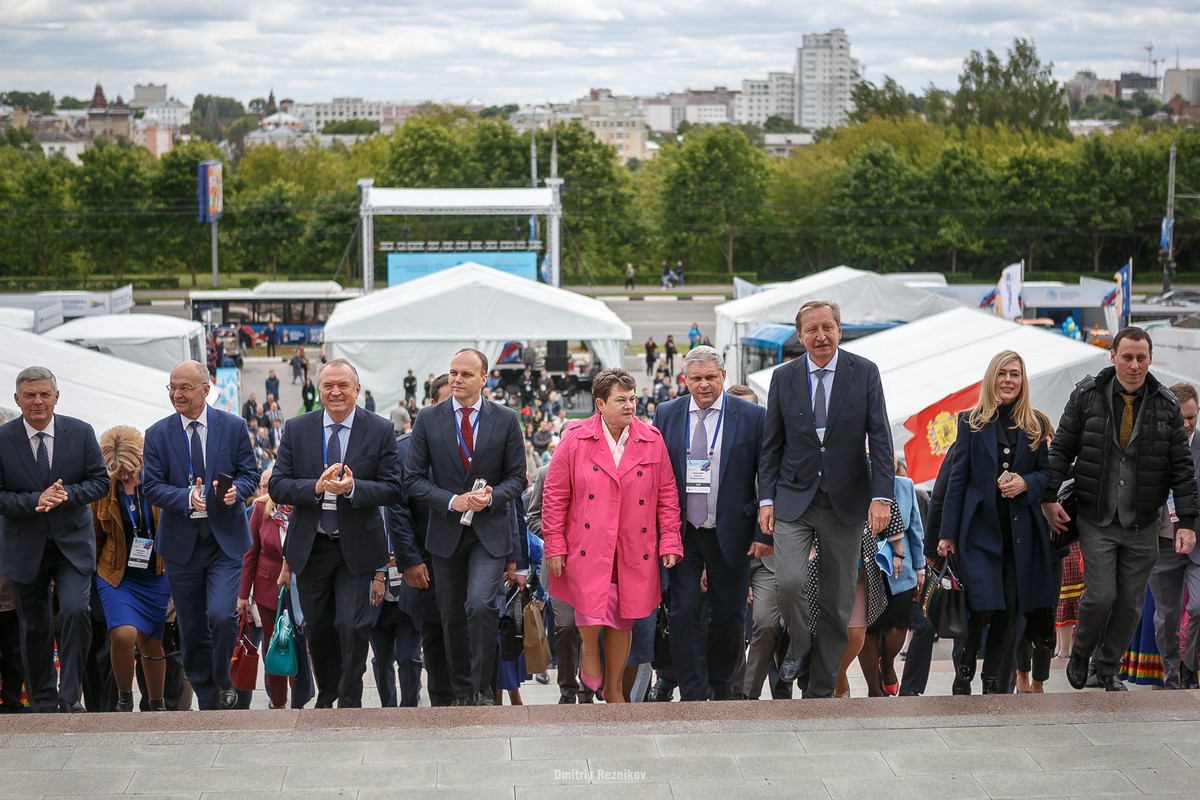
(825,74)
(773,97)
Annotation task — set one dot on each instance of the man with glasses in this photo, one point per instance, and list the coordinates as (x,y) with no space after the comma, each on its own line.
(200,469)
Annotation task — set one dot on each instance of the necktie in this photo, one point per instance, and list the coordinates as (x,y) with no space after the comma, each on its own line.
(819,404)
(197,454)
(43,458)
(1126,431)
(697,503)
(333,454)
(467,446)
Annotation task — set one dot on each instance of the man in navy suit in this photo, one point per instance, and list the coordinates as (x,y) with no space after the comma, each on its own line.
(337,468)
(714,440)
(827,467)
(201,536)
(453,444)
(50,470)
(1173,571)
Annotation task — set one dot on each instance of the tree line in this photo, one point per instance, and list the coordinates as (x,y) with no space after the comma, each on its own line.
(959,182)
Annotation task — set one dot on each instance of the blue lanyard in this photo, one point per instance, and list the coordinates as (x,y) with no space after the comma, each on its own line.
(187,440)
(687,441)
(132,506)
(463,442)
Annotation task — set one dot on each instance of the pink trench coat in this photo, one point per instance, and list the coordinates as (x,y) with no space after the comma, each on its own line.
(588,504)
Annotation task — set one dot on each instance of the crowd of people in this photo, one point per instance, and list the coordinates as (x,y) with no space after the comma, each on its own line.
(777,543)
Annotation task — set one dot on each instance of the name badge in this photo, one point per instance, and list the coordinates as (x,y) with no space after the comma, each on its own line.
(1171,508)
(198,514)
(139,554)
(395,577)
(821,434)
(698,477)
(329,503)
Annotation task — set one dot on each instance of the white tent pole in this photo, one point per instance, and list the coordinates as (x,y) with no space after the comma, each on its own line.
(368,235)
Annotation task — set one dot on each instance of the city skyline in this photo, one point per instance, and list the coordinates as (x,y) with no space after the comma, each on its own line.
(534,51)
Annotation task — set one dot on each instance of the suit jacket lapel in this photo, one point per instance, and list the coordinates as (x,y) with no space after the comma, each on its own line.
(179,444)
(801,390)
(729,429)
(25,451)
(449,436)
(62,440)
(357,434)
(483,431)
(842,379)
(212,447)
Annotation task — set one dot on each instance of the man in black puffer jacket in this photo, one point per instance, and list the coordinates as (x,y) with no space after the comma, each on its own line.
(1123,431)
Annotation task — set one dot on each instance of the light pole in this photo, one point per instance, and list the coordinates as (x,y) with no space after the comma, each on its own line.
(1167,244)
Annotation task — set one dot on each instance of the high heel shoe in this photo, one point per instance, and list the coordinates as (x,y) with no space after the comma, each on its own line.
(158,705)
(590,682)
(124,701)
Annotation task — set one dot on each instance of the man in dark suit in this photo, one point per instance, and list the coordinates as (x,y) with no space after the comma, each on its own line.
(827,467)
(454,444)
(50,470)
(202,537)
(1173,571)
(714,440)
(337,468)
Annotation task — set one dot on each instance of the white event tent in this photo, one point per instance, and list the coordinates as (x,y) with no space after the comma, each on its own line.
(156,340)
(419,324)
(99,389)
(22,319)
(862,296)
(924,361)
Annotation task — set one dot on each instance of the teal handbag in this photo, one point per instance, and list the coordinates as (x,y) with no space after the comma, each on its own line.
(281,657)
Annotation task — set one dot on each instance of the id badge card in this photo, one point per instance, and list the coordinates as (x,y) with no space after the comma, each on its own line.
(139,554)
(329,503)
(821,434)
(1171,508)
(699,476)
(199,514)
(395,577)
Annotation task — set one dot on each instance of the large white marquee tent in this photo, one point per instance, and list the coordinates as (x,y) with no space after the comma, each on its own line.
(420,324)
(156,340)
(924,361)
(862,296)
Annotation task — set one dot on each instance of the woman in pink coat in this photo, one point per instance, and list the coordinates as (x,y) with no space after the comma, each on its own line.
(610,512)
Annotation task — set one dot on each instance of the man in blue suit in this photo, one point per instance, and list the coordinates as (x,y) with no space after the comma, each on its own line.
(50,470)
(201,536)
(714,440)
(337,468)
(827,467)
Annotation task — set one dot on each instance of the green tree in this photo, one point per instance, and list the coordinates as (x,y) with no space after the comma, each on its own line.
(211,115)
(354,126)
(430,151)
(888,101)
(715,188)
(1035,198)
(1102,213)
(35,207)
(878,209)
(37,102)
(958,188)
(111,193)
(267,224)
(179,239)
(1018,93)
(775,124)
(72,103)
(500,112)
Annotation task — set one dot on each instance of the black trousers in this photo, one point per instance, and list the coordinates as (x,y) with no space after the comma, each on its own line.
(11,676)
(337,621)
(468,585)
(396,644)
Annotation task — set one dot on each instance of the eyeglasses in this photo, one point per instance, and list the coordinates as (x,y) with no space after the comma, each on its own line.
(186,388)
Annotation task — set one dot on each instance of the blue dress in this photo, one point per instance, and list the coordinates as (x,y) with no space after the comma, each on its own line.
(140,600)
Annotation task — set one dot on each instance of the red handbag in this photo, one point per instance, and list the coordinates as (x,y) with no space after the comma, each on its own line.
(243,667)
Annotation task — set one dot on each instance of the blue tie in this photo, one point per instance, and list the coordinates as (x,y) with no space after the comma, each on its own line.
(333,454)
(197,449)
(43,458)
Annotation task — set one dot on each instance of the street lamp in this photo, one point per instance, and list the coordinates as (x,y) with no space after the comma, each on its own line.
(1167,242)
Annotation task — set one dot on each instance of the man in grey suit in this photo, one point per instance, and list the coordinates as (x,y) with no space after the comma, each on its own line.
(1174,570)
(454,444)
(827,468)
(50,471)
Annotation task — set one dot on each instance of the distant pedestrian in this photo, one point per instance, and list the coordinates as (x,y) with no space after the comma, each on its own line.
(679,272)
(272,336)
(667,275)
(629,275)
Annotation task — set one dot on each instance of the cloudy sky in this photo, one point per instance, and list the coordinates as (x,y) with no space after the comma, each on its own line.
(538,50)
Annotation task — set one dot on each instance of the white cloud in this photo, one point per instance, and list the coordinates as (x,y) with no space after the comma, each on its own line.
(534,50)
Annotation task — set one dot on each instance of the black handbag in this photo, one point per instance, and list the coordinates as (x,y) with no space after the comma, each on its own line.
(662,637)
(945,602)
(512,626)
(1061,540)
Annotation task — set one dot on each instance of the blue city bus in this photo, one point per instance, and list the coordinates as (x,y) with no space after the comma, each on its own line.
(299,309)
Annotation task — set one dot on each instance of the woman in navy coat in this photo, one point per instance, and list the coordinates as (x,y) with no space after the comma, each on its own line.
(991,517)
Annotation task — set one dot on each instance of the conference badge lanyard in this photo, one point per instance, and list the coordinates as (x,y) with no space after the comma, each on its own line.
(698,475)
(329,501)
(463,442)
(143,545)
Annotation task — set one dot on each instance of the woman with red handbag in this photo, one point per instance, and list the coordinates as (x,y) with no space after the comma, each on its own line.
(261,568)
(132,587)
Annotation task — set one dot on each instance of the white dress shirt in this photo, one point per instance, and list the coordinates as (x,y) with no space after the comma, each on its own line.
(715,412)
(32,433)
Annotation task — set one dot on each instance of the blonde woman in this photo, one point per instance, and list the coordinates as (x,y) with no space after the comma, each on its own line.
(132,586)
(991,520)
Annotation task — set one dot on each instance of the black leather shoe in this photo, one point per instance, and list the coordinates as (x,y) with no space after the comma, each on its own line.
(990,685)
(661,692)
(226,697)
(484,699)
(1187,678)
(964,673)
(463,701)
(719,693)
(567,700)
(1112,683)
(586,697)
(73,708)
(158,705)
(1077,671)
(789,670)
(124,701)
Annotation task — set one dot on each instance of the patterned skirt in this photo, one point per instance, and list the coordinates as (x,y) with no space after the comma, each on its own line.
(1142,664)
(1072,588)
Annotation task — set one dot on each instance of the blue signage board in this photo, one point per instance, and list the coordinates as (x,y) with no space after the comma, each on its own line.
(403,267)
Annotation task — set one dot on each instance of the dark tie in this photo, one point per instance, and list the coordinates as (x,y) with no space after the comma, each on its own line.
(43,459)
(819,404)
(1126,432)
(467,446)
(333,454)
(197,452)
(697,502)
